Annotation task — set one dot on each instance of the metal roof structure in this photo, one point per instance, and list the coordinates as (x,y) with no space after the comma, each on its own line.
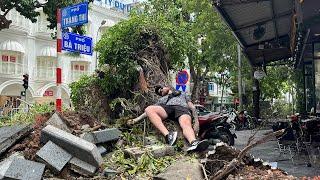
(262,27)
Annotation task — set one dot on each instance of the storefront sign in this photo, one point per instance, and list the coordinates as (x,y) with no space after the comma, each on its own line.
(12,59)
(74,15)
(48,93)
(77,43)
(4,58)
(126,8)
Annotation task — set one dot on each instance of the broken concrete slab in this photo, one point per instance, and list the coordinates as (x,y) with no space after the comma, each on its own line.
(106,135)
(74,145)
(23,169)
(4,165)
(11,134)
(54,156)
(82,167)
(102,136)
(109,172)
(102,150)
(88,137)
(155,150)
(181,170)
(57,122)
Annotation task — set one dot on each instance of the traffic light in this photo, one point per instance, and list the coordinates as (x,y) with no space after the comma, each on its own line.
(25,81)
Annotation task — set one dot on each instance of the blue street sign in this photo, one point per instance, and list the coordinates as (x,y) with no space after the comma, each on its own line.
(74,15)
(77,43)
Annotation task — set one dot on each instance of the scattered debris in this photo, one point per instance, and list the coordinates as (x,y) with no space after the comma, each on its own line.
(54,156)
(74,145)
(82,167)
(109,172)
(57,122)
(10,135)
(155,150)
(24,169)
(181,170)
(102,150)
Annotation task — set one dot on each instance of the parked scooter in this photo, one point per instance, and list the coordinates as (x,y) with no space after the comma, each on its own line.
(241,120)
(215,126)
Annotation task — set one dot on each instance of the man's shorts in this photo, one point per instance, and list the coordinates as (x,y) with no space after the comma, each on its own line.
(174,112)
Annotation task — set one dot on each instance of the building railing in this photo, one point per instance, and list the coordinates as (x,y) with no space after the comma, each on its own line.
(45,73)
(11,68)
(19,21)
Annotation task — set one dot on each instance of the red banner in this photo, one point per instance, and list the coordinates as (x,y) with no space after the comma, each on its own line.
(5,58)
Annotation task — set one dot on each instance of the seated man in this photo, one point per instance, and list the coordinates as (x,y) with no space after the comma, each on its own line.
(175,106)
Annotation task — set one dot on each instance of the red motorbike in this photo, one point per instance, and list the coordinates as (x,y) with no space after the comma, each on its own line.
(214,126)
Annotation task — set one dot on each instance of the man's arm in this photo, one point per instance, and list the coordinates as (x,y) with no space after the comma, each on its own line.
(195,116)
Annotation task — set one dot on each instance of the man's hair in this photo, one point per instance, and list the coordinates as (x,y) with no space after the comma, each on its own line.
(157,88)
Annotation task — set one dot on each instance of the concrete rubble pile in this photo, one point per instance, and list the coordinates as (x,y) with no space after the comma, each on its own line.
(60,149)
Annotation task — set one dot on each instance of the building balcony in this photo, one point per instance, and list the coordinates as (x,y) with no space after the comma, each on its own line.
(8,69)
(45,73)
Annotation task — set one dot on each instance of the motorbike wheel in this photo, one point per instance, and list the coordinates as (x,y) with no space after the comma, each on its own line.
(223,135)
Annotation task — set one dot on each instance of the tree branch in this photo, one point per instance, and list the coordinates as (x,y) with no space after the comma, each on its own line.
(236,161)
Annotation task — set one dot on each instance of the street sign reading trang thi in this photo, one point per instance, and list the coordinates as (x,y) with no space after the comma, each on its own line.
(74,15)
(77,43)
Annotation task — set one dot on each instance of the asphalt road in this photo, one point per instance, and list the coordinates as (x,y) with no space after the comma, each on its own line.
(270,152)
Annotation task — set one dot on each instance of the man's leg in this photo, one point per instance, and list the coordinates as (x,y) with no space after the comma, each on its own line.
(156,114)
(185,123)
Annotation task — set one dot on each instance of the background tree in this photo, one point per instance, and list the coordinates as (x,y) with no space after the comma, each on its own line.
(29,9)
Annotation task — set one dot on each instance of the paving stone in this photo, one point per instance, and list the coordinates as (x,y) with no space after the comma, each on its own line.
(82,167)
(109,172)
(74,145)
(88,137)
(54,156)
(156,151)
(57,122)
(102,150)
(23,169)
(4,165)
(106,135)
(181,170)
(11,134)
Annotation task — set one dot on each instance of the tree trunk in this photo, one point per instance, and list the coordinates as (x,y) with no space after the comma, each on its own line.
(222,95)
(256,97)
(195,80)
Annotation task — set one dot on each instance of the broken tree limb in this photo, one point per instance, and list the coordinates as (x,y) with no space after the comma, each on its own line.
(135,120)
(228,168)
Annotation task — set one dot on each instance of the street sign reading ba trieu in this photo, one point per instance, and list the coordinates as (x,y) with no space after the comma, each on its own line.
(77,43)
(74,15)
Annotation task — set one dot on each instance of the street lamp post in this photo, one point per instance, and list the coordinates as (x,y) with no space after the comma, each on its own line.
(103,22)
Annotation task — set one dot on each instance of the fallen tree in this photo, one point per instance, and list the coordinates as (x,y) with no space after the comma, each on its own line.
(134,56)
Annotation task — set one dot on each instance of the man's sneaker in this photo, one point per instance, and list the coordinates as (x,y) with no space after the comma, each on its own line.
(171,138)
(198,146)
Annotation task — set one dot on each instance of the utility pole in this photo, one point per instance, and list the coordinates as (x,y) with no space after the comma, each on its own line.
(239,79)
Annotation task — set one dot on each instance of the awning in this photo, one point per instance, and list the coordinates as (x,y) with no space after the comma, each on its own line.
(48,51)
(262,27)
(10,45)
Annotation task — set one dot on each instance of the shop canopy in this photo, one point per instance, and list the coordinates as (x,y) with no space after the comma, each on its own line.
(262,27)
(48,51)
(11,45)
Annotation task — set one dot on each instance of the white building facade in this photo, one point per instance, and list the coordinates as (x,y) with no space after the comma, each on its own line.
(28,48)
